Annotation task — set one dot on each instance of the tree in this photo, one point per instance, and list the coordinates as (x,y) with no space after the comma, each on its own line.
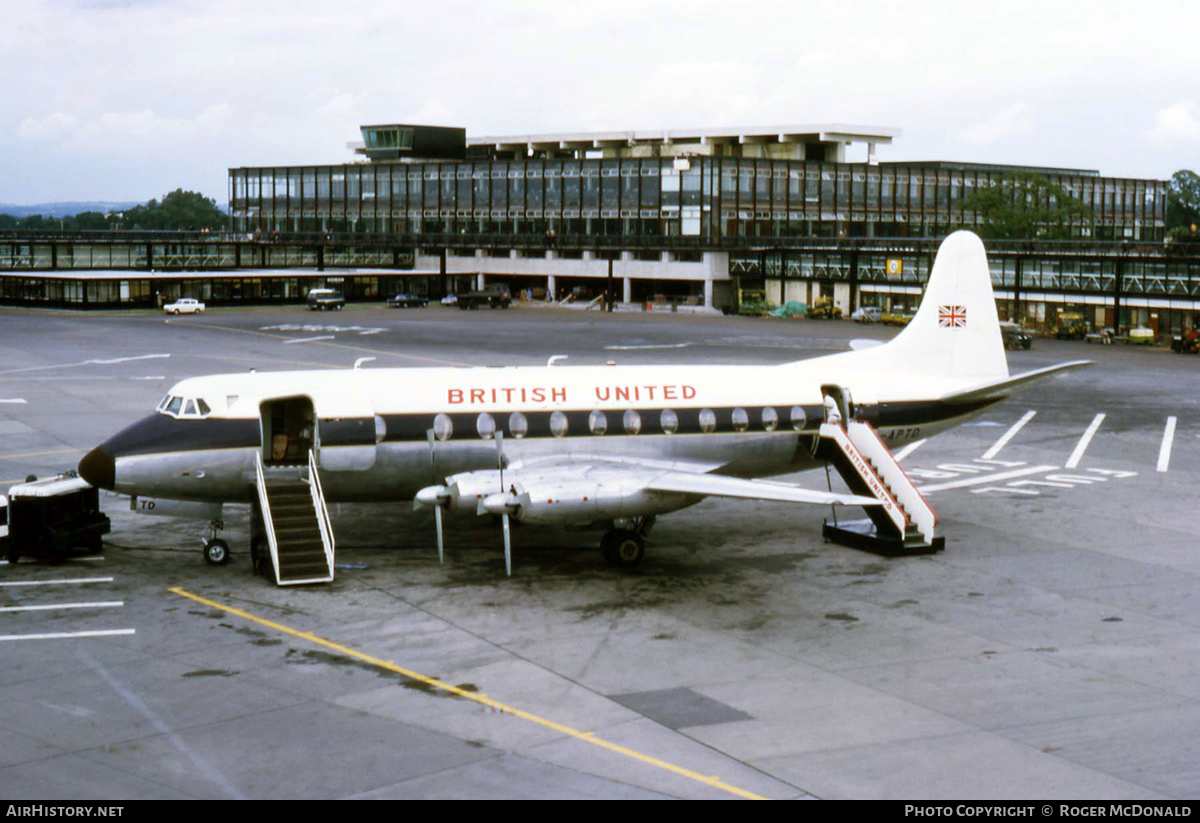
(178,210)
(1183,200)
(1025,205)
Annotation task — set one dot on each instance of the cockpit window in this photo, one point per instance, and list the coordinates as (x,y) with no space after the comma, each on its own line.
(185,407)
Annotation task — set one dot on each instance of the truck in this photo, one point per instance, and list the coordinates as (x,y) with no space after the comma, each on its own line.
(495,295)
(323,299)
(1070,326)
(47,518)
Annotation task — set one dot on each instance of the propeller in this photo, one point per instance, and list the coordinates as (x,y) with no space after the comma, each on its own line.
(500,461)
(437,496)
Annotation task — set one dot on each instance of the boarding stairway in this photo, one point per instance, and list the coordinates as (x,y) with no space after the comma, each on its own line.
(295,522)
(903,523)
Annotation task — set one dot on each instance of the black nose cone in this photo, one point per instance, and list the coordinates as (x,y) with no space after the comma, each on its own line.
(97,467)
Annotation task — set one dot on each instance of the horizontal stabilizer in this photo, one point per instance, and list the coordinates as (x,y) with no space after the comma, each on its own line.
(1006,385)
(715,485)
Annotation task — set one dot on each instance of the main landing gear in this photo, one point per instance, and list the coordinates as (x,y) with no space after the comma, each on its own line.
(624,545)
(216,551)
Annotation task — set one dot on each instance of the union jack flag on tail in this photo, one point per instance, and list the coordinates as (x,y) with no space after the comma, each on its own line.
(952,317)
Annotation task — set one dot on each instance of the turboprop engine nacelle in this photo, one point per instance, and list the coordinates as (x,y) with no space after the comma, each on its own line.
(580,501)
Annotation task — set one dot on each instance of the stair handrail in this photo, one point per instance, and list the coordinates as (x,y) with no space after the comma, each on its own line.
(318,498)
(914,503)
(891,506)
(264,505)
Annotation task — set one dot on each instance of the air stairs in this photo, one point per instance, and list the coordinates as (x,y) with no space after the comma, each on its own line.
(295,523)
(903,524)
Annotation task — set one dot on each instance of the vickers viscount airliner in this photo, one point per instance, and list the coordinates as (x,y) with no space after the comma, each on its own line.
(606,446)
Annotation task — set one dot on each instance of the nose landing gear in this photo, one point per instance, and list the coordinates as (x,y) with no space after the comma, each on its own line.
(216,551)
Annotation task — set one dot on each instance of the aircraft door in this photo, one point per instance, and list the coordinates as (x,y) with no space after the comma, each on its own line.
(289,431)
(349,431)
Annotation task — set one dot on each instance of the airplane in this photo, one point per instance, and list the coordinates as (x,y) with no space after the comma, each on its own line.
(608,446)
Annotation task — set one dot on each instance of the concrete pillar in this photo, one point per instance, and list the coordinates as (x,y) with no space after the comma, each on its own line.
(708,292)
(479,281)
(627,284)
(667,257)
(550,285)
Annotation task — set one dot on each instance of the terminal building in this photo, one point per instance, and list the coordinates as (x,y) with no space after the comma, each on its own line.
(675,218)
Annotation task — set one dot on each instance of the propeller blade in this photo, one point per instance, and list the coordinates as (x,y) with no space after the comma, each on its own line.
(437,518)
(507,547)
(500,456)
(432,466)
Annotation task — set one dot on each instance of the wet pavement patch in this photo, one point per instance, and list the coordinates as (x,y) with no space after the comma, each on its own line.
(210,673)
(679,708)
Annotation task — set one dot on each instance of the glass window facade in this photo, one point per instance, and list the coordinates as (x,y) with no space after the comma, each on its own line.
(710,197)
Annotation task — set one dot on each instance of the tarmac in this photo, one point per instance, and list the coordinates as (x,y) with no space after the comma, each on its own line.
(1051,651)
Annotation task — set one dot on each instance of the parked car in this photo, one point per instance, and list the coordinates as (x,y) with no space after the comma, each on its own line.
(897,317)
(1015,337)
(184,305)
(407,301)
(495,295)
(866,314)
(323,299)
(450,300)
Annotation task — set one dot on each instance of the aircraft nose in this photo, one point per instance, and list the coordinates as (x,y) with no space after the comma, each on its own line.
(98,468)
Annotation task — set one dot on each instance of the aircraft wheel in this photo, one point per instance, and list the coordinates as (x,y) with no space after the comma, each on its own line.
(216,552)
(623,548)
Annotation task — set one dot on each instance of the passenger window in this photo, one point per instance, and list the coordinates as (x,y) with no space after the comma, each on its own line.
(632,422)
(486,426)
(669,421)
(443,428)
(558,424)
(741,420)
(518,426)
(798,417)
(597,422)
(770,419)
(708,421)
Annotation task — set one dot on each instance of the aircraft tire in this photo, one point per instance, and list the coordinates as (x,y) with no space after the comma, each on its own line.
(622,548)
(216,552)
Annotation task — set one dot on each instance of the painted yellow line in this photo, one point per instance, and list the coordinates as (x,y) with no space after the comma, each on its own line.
(586,737)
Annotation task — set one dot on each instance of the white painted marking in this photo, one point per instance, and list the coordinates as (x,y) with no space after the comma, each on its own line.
(102,604)
(126,359)
(14,400)
(72,580)
(150,377)
(986,478)
(86,363)
(907,450)
(1081,446)
(1164,451)
(204,767)
(309,339)
(1008,435)
(67,635)
(649,346)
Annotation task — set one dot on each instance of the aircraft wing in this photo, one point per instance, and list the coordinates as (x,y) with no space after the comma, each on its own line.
(593,476)
(1006,385)
(715,485)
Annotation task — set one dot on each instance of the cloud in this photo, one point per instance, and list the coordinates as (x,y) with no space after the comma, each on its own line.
(128,130)
(1013,121)
(50,127)
(1179,123)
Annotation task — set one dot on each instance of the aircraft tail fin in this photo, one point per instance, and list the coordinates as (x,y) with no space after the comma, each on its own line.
(956,331)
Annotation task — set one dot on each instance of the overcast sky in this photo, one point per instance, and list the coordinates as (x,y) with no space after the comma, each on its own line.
(129,99)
